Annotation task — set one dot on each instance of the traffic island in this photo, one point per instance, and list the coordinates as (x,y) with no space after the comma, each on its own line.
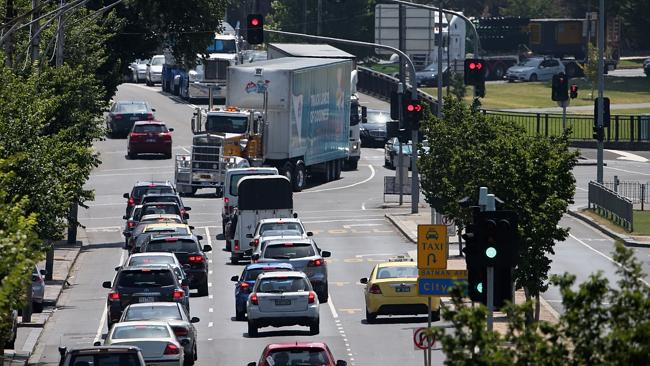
(638,238)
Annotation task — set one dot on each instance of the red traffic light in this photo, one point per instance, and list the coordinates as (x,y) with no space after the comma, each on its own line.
(574,88)
(479,66)
(410,107)
(255,22)
(418,108)
(472,66)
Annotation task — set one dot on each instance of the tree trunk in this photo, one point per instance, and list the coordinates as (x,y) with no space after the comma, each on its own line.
(538,306)
(9,41)
(529,314)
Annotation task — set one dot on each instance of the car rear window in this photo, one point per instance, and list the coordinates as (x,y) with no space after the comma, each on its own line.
(282,284)
(131,108)
(146,278)
(186,246)
(251,274)
(140,191)
(288,251)
(150,128)
(307,357)
(147,199)
(150,259)
(141,331)
(137,213)
(397,272)
(153,313)
(161,209)
(106,359)
(276,226)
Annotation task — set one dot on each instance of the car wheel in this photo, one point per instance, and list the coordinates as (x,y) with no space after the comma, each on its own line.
(37,307)
(239,315)
(287,170)
(234,260)
(252,329)
(298,177)
(370,317)
(533,77)
(168,155)
(189,358)
(131,155)
(314,327)
(323,295)
(195,354)
(203,288)
(435,316)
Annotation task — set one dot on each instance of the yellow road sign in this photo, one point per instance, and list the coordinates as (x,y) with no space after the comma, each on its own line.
(452,274)
(432,246)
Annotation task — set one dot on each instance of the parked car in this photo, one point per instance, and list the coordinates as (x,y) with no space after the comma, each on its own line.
(156,339)
(373,127)
(303,255)
(534,69)
(245,282)
(142,284)
(38,289)
(10,343)
(392,289)
(646,66)
(98,355)
(297,353)
(154,70)
(139,70)
(123,115)
(174,315)
(429,76)
(391,152)
(145,187)
(282,299)
(149,137)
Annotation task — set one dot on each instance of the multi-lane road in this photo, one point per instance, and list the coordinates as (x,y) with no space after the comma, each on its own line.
(347,219)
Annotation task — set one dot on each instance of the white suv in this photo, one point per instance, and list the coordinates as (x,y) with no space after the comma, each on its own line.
(534,69)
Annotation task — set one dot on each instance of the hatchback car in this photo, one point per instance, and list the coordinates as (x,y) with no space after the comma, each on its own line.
(154,70)
(124,114)
(392,289)
(303,255)
(373,127)
(38,289)
(162,208)
(149,137)
(142,284)
(101,355)
(146,229)
(429,76)
(145,187)
(156,339)
(165,197)
(282,299)
(172,313)
(157,259)
(297,353)
(139,70)
(244,283)
(534,69)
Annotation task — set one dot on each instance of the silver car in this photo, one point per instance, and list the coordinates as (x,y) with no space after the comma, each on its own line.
(534,69)
(280,299)
(38,289)
(172,313)
(154,70)
(155,339)
(139,70)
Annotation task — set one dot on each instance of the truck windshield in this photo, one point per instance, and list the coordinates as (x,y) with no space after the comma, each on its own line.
(226,124)
(223,46)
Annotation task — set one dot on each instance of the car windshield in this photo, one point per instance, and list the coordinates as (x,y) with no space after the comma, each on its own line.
(150,128)
(289,251)
(306,357)
(106,359)
(223,46)
(397,272)
(157,61)
(166,229)
(146,278)
(160,209)
(251,274)
(225,124)
(153,313)
(150,259)
(282,284)
(140,331)
(531,62)
(131,107)
(432,67)
(378,117)
(138,192)
(184,246)
(280,226)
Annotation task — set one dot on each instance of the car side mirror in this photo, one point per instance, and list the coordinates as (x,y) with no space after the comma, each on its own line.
(207,248)
(341,363)
(295,215)
(255,257)
(153,109)
(234,278)
(43,272)
(309,233)
(185,282)
(325,254)
(187,208)
(126,195)
(251,364)
(117,268)
(97,344)
(186,216)
(124,217)
(62,350)
(249,236)
(195,320)
(106,284)
(191,227)
(364,281)
(170,129)
(185,342)
(200,237)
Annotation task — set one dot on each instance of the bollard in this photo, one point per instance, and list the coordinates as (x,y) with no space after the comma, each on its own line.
(72,223)
(49,261)
(27,309)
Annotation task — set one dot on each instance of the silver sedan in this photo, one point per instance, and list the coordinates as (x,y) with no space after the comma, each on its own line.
(155,339)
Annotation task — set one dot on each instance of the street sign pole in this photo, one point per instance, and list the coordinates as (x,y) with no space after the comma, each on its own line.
(490,206)
(429,327)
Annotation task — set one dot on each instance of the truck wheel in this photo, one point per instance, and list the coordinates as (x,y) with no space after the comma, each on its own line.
(298,177)
(338,165)
(287,170)
(352,165)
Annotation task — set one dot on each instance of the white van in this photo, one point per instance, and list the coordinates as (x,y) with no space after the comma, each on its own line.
(230,196)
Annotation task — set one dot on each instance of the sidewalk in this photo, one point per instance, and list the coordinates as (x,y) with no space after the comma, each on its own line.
(407,224)
(65,255)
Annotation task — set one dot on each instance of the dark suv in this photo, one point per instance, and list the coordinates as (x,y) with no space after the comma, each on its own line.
(162,208)
(147,187)
(142,284)
(107,355)
(190,254)
(165,197)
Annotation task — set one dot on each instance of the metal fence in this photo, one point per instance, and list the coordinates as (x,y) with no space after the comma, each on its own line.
(624,128)
(611,205)
(636,192)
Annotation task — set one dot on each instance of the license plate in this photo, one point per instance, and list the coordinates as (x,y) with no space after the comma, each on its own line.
(283,302)
(403,289)
(147,299)
(206,176)
(151,140)
(135,118)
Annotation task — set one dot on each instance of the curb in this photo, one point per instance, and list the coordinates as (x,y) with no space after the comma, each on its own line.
(393,221)
(627,241)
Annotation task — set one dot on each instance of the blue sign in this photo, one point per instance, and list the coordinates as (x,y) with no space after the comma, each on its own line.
(437,286)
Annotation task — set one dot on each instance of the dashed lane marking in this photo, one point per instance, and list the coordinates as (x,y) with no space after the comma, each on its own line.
(350,311)
(102,320)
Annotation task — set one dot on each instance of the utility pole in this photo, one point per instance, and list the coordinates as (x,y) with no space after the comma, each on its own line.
(601,87)
(34,30)
(60,37)
(400,100)
(440,44)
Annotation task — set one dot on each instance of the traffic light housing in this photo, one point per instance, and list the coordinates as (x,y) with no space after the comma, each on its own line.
(606,112)
(498,238)
(477,285)
(573,90)
(255,29)
(560,88)
(412,113)
(474,71)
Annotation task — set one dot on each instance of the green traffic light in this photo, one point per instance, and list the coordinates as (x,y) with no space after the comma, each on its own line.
(491,252)
(479,287)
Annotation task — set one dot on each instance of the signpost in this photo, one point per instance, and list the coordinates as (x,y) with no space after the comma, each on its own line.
(421,340)
(432,246)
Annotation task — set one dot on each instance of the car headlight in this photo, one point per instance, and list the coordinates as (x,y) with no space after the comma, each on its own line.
(193,75)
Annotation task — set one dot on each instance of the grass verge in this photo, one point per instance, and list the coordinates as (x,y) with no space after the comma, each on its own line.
(641,222)
(636,63)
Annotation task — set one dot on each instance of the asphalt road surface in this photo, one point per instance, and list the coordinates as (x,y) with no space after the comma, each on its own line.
(347,219)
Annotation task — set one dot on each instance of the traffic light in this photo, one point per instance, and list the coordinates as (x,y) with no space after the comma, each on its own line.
(573,89)
(497,238)
(560,88)
(474,71)
(477,285)
(412,113)
(599,133)
(255,29)
(606,114)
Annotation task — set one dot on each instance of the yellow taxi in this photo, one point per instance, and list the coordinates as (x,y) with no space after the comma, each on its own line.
(166,227)
(392,289)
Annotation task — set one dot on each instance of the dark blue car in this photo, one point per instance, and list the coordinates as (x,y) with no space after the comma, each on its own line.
(246,281)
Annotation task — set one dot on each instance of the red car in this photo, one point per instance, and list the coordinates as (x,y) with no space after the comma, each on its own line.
(298,353)
(150,137)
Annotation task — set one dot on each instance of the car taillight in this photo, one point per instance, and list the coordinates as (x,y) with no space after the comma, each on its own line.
(315,263)
(113,295)
(226,200)
(166,136)
(196,258)
(131,224)
(171,349)
(256,242)
(236,244)
(374,289)
(253,298)
(149,116)
(312,297)
(180,331)
(244,287)
(131,201)
(178,294)
(118,116)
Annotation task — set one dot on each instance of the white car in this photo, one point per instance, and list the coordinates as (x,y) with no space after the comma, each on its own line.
(281,227)
(282,298)
(534,69)
(155,339)
(38,289)
(154,70)
(139,70)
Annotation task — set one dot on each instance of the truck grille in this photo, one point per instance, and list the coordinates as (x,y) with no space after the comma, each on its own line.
(216,69)
(206,152)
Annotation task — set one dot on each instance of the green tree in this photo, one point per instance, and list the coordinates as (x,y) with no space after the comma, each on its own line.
(533,9)
(590,68)
(531,174)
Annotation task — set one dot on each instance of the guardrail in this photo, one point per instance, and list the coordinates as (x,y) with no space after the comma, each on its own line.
(636,192)
(614,206)
(623,128)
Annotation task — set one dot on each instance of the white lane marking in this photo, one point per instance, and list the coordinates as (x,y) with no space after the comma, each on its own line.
(335,315)
(102,320)
(210,324)
(628,156)
(211,310)
(582,189)
(372,175)
(209,284)
(186,150)
(207,233)
(626,171)
(210,297)
(348,220)
(363,206)
(601,254)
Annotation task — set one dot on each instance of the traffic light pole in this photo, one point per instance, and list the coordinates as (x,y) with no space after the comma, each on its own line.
(601,86)
(490,206)
(400,100)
